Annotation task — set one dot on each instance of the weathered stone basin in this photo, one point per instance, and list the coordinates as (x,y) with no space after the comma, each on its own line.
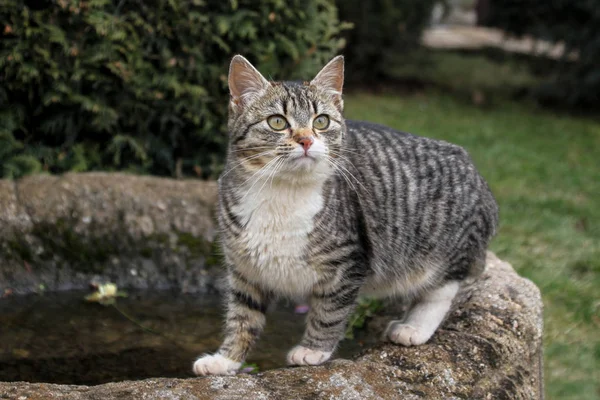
(63,232)
(488,348)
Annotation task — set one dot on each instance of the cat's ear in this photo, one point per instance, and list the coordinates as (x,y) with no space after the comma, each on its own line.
(245,82)
(331,77)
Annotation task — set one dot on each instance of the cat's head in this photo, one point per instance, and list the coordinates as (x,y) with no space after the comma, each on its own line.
(286,130)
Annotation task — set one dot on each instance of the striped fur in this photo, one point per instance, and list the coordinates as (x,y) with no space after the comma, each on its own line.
(372,211)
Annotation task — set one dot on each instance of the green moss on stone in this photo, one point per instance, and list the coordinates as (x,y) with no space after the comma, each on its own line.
(91,251)
(215,257)
(146,252)
(19,249)
(86,254)
(196,245)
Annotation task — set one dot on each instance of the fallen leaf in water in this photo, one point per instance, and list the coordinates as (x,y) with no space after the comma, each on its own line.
(105,294)
(21,353)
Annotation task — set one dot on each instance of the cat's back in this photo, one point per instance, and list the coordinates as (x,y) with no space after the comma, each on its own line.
(424,168)
(398,158)
(420,197)
(369,140)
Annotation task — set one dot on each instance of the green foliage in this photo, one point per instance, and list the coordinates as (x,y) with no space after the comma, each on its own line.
(574,23)
(250,368)
(381,29)
(140,86)
(365,309)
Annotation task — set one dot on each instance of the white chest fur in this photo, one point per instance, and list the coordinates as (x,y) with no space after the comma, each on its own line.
(278,221)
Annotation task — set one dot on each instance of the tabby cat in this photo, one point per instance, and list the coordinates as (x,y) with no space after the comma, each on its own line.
(314,206)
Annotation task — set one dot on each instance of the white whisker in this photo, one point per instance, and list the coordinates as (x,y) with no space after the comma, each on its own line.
(346,150)
(257,172)
(353,166)
(335,167)
(278,166)
(262,171)
(350,173)
(271,175)
(344,158)
(243,160)
(251,148)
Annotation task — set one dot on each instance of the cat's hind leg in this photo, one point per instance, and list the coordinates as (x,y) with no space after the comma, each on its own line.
(424,317)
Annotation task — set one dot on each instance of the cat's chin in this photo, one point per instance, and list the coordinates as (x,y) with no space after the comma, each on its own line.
(301,166)
(304,171)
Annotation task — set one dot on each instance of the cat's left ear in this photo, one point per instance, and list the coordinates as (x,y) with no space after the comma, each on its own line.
(331,77)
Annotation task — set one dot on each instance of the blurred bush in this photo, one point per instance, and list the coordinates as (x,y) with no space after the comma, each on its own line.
(575,23)
(140,85)
(384,31)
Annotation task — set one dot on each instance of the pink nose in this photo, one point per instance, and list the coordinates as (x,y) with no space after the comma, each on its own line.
(306,142)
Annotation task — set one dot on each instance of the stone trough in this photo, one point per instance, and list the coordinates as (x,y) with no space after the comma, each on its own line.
(143,232)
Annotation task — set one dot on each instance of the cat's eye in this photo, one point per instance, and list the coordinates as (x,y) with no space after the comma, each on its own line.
(321,122)
(277,122)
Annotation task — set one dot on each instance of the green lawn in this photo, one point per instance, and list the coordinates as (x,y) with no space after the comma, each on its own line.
(544,169)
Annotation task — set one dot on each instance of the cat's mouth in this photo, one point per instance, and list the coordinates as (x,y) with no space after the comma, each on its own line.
(303,163)
(306,155)
(305,159)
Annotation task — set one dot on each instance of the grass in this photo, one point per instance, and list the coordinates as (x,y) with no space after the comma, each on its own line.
(544,169)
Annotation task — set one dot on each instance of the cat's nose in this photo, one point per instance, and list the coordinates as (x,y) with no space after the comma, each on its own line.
(306,142)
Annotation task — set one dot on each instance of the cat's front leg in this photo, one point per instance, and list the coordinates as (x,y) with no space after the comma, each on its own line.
(245,320)
(325,324)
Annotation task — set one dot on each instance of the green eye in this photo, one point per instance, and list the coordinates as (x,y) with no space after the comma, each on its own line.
(321,122)
(277,122)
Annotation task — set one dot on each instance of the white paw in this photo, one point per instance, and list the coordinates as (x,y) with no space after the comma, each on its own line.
(301,355)
(406,335)
(215,364)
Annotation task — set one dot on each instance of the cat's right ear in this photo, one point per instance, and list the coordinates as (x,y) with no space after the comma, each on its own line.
(245,82)
(331,77)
